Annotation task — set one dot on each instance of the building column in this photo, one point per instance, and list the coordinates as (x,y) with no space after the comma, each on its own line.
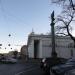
(40,50)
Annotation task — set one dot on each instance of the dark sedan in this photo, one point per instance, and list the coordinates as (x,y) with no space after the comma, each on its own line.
(63,68)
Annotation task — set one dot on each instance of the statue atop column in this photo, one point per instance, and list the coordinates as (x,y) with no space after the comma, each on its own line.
(53,54)
(52,17)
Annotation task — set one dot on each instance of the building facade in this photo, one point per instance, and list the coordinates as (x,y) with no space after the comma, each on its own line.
(40,46)
(24,52)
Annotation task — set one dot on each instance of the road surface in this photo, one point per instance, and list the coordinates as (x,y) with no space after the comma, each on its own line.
(20,69)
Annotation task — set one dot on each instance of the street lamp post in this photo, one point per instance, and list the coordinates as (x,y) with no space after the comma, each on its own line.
(53,54)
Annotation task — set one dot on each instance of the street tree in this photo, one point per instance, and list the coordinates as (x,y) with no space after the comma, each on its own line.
(15,53)
(65,3)
(66,20)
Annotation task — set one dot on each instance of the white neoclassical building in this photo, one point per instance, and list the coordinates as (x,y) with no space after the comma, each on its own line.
(39,46)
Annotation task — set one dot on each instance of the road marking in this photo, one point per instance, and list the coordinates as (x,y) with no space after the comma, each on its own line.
(28,69)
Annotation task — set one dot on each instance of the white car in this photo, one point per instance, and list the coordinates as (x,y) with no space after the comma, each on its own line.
(10,60)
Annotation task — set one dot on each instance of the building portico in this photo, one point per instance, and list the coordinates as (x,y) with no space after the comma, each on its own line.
(40,46)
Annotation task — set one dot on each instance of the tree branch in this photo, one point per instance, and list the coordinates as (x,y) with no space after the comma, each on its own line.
(69,33)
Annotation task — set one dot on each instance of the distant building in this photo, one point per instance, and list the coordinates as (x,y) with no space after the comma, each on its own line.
(24,52)
(40,46)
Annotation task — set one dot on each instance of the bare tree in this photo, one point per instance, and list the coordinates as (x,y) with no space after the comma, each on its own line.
(67,3)
(15,53)
(65,21)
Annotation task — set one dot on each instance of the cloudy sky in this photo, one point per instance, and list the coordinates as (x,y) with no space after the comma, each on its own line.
(19,17)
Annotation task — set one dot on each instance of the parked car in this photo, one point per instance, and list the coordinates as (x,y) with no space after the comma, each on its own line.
(71,72)
(9,60)
(62,69)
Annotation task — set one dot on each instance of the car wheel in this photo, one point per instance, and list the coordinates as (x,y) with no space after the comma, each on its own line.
(51,73)
(67,73)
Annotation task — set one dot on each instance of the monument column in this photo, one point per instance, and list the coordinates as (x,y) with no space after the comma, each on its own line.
(53,53)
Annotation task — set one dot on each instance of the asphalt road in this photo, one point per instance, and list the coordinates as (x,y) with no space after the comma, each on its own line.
(32,71)
(20,69)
